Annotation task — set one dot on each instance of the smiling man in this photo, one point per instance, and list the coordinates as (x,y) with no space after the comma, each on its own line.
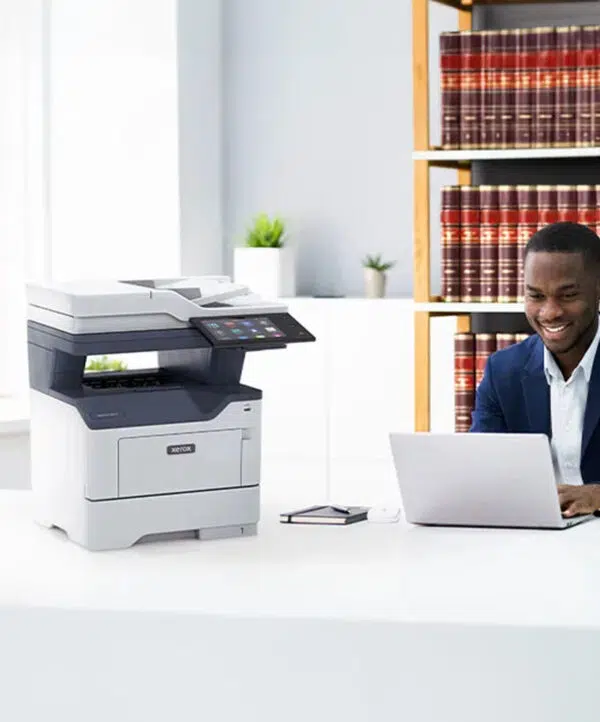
(550,383)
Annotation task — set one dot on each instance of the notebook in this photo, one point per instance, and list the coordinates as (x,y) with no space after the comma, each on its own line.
(325,515)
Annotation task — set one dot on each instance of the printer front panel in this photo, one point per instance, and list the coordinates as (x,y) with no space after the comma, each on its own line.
(175,463)
(159,459)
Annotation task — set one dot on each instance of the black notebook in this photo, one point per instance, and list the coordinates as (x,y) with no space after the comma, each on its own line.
(325,515)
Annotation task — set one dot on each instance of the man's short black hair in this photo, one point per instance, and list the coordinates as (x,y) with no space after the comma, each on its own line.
(566,237)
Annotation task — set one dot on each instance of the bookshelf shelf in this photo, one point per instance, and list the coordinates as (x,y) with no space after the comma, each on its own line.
(447,157)
(459,309)
(467,5)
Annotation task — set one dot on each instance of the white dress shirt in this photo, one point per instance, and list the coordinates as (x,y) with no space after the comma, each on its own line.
(567,408)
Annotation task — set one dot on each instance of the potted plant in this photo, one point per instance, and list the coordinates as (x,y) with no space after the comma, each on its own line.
(266,263)
(375,278)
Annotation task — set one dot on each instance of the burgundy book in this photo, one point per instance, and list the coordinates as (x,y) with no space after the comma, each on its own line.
(596,89)
(524,86)
(527,198)
(567,47)
(597,187)
(507,243)
(547,205)
(450,250)
(586,58)
(490,219)
(493,89)
(504,340)
(464,380)
(488,78)
(545,82)
(450,65)
(470,89)
(485,345)
(508,77)
(566,196)
(586,206)
(470,246)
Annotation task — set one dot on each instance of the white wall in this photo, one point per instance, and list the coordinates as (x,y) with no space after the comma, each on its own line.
(200,81)
(20,175)
(318,127)
(114,138)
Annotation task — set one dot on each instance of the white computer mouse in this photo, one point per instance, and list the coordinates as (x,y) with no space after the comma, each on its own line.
(384,514)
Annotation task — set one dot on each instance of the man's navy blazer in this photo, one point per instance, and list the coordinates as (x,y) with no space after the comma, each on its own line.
(514,397)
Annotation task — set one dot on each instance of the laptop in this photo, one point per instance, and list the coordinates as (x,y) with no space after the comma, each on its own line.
(485,480)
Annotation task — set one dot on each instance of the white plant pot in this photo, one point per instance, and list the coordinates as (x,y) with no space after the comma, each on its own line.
(374,283)
(270,272)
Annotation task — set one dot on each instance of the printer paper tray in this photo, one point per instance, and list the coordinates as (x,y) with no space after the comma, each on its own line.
(168,464)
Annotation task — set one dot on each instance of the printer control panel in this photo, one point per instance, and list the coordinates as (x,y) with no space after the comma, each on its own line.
(246,331)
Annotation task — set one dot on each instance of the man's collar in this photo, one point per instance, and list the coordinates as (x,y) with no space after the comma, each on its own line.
(552,370)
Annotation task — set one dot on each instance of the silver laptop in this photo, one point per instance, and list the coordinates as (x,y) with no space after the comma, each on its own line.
(489,480)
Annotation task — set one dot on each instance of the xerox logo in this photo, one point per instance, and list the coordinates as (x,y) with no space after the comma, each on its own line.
(181,449)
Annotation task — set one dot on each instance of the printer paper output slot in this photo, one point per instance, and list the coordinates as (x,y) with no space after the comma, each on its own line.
(132,381)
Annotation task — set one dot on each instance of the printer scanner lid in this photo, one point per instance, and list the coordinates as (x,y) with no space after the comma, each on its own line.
(104,306)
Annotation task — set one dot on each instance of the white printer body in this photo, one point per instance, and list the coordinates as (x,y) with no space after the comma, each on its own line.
(117,457)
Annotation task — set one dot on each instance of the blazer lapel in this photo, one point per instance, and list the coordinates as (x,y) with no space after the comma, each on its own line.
(592,407)
(537,392)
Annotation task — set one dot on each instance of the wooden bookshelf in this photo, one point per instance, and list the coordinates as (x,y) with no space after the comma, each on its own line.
(425,157)
(421,194)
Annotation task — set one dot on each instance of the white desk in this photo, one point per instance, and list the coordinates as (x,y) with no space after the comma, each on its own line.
(366,622)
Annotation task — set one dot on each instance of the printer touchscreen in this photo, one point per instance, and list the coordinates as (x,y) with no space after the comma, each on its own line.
(259,328)
(252,331)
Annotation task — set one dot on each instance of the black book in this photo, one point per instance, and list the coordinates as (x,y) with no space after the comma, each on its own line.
(325,515)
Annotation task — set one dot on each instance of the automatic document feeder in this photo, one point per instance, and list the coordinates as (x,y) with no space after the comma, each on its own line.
(121,456)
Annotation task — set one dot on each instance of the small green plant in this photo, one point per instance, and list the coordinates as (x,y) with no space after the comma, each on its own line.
(105,364)
(266,232)
(377,264)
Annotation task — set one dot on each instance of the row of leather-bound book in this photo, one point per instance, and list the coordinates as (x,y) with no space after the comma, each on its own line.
(484,231)
(521,88)
(471,352)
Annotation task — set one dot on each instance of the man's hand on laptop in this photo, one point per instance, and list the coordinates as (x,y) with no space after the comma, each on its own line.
(576,500)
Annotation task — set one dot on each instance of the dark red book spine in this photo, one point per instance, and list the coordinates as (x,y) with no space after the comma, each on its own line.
(450,71)
(470,245)
(524,86)
(494,41)
(508,77)
(597,187)
(567,45)
(504,340)
(464,380)
(507,244)
(470,89)
(547,206)
(485,345)
(487,90)
(450,251)
(586,206)
(585,81)
(527,198)
(490,220)
(545,81)
(596,89)
(567,203)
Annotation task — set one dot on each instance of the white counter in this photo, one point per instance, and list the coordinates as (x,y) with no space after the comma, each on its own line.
(369,621)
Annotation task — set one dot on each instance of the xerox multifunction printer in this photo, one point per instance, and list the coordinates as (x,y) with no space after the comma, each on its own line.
(121,456)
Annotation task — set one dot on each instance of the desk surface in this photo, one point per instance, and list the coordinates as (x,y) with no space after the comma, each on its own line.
(365,571)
